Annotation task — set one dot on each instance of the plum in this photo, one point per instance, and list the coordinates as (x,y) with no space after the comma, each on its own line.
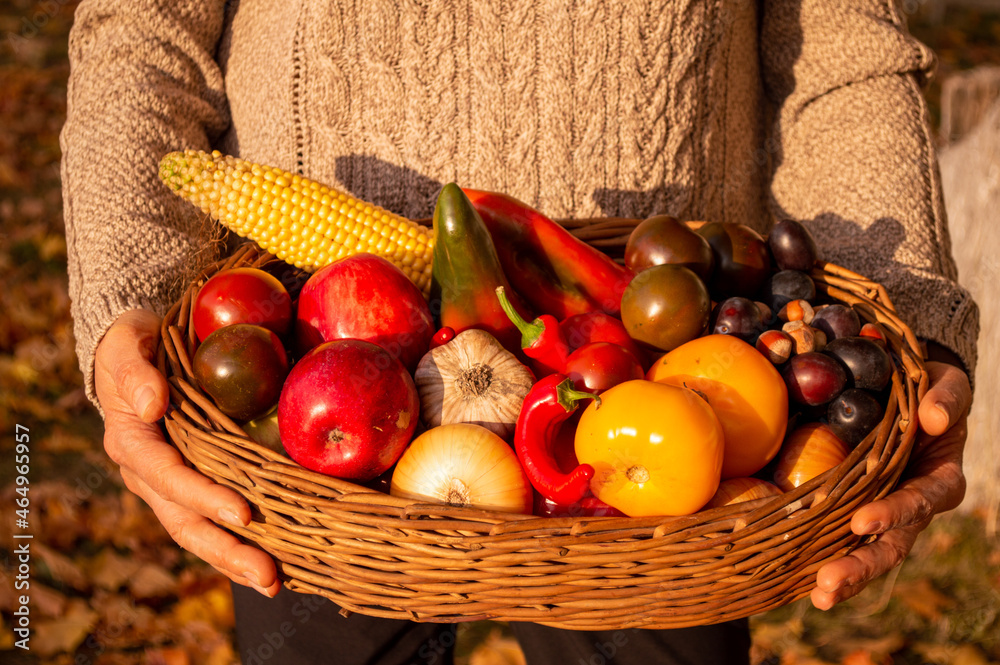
(853,414)
(792,246)
(814,378)
(837,321)
(868,365)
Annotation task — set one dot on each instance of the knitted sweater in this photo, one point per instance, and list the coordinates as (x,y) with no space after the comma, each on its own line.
(724,110)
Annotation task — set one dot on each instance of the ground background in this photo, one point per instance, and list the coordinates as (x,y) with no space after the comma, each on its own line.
(109,587)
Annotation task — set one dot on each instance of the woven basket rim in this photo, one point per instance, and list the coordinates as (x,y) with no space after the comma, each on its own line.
(384,556)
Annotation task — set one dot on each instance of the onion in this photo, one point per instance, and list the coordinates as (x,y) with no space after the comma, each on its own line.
(806,453)
(737,490)
(463,465)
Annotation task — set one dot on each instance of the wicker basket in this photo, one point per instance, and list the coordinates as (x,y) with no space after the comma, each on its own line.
(379,555)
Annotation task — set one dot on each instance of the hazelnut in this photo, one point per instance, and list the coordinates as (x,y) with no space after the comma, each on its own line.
(775,345)
(874,332)
(797,310)
(766,315)
(802,335)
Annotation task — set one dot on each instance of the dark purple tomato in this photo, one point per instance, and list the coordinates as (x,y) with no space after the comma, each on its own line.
(242,368)
(837,321)
(665,306)
(241,295)
(853,414)
(597,366)
(665,239)
(868,365)
(737,316)
(792,246)
(742,262)
(813,378)
(785,286)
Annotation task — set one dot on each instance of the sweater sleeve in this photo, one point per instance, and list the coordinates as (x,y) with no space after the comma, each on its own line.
(143,81)
(853,159)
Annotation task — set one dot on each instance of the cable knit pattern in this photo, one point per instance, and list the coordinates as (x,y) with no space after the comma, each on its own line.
(707,109)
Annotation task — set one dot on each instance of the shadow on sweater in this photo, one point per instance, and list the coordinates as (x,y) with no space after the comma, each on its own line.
(400,189)
(413,194)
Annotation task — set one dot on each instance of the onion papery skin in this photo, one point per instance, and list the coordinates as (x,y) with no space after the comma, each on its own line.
(463,465)
(808,451)
(738,490)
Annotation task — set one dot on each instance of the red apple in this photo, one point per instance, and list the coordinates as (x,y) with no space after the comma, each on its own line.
(347,409)
(365,297)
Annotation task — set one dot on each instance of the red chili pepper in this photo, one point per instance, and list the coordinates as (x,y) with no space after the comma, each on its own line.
(548,404)
(442,337)
(552,269)
(541,339)
(588,506)
(582,329)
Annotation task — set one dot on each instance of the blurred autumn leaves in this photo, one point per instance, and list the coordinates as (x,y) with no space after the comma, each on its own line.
(109,587)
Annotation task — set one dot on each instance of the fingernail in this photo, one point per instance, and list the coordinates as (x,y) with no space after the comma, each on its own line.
(143,401)
(254,583)
(873,527)
(940,406)
(230,517)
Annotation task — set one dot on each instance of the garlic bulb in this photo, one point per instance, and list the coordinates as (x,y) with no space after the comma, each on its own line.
(472,379)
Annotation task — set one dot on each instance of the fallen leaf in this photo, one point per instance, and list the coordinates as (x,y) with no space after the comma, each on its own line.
(48,601)
(63,440)
(951,654)
(864,657)
(222,654)
(152,580)
(923,598)
(124,624)
(497,650)
(6,635)
(795,658)
(64,634)
(170,656)
(61,569)
(109,570)
(878,650)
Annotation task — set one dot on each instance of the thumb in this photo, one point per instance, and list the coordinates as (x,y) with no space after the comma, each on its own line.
(946,400)
(124,359)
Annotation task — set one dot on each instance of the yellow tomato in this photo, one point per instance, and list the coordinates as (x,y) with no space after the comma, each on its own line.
(745,390)
(656,449)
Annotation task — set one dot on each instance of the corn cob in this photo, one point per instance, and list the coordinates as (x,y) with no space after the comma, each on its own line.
(298,220)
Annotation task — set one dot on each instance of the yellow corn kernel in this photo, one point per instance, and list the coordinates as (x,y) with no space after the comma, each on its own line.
(301,221)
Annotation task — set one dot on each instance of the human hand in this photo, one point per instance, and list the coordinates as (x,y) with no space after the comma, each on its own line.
(935,484)
(134,395)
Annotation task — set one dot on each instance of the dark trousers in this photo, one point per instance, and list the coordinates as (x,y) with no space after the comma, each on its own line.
(300,629)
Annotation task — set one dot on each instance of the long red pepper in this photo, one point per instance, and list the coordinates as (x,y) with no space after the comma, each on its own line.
(549,403)
(552,269)
(541,340)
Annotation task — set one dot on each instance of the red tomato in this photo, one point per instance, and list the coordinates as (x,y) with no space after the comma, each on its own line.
(599,365)
(582,329)
(242,295)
